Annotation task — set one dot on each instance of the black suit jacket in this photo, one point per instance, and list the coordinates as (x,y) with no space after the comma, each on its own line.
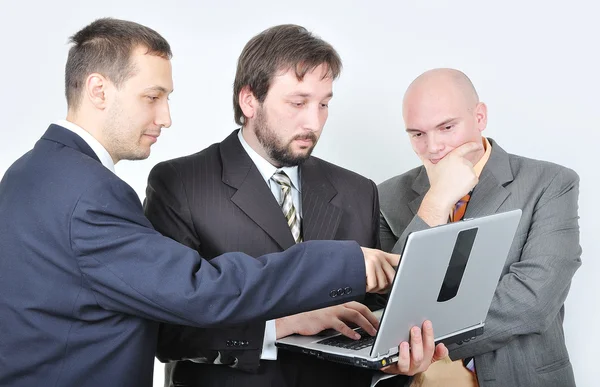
(217,201)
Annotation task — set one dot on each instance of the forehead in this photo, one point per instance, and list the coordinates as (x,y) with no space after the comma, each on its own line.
(425,108)
(150,71)
(315,82)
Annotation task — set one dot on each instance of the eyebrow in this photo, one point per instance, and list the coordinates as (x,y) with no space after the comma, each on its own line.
(443,123)
(159,89)
(446,122)
(307,95)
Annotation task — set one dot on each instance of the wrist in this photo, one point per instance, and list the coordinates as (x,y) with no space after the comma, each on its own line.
(284,327)
(434,210)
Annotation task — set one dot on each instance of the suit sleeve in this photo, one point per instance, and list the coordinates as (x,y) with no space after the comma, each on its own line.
(131,268)
(167,208)
(529,297)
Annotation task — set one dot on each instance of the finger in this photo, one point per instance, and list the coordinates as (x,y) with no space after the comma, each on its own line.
(427,164)
(365,311)
(390,271)
(382,282)
(416,348)
(468,148)
(392,259)
(440,352)
(353,316)
(428,340)
(344,329)
(403,364)
(371,276)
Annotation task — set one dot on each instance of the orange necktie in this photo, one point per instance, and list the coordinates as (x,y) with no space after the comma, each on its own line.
(459,208)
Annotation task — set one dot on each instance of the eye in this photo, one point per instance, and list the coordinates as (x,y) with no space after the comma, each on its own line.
(448,127)
(152,98)
(417,134)
(324,105)
(297,104)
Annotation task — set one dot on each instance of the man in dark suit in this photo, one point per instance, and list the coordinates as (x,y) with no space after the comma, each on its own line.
(260,191)
(85,279)
(466,174)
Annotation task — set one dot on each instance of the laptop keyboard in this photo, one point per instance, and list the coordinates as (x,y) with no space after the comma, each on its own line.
(342,341)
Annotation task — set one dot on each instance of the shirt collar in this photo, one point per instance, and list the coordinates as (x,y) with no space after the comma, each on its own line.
(267,169)
(98,149)
(484,159)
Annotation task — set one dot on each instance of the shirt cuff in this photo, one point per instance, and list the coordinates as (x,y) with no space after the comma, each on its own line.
(269,350)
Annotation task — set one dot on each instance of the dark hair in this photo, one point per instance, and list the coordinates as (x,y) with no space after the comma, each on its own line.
(278,49)
(105,47)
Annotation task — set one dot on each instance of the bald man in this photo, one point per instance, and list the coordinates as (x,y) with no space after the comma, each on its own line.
(523,343)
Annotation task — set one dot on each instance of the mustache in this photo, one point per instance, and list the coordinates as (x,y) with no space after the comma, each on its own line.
(307,136)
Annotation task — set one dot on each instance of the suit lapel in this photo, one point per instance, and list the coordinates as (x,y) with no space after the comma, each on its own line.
(253,195)
(320,218)
(490,192)
(420,186)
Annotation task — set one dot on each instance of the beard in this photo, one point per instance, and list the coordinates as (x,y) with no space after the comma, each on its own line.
(277,151)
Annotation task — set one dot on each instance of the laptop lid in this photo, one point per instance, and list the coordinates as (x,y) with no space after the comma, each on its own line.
(448,275)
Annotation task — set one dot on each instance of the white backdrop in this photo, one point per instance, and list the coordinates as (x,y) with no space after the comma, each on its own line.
(534,63)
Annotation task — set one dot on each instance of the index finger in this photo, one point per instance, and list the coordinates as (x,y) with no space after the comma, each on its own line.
(366,312)
(468,148)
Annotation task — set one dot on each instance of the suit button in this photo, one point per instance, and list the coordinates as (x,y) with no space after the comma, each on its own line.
(228,343)
(236,343)
(347,290)
(333,293)
(245,343)
(340,292)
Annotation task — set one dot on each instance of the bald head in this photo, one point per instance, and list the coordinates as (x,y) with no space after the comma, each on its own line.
(441,111)
(435,82)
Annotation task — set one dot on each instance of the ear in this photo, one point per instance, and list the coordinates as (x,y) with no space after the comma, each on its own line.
(248,103)
(96,86)
(481,116)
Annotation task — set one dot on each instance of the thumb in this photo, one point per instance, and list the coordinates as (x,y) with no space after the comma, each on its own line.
(440,352)
(392,259)
(427,164)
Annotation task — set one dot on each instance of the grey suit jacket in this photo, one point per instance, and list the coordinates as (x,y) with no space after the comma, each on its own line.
(523,343)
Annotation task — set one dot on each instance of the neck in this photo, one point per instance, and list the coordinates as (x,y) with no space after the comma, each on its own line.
(91,126)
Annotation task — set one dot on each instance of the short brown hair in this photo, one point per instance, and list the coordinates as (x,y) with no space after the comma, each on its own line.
(277,49)
(105,47)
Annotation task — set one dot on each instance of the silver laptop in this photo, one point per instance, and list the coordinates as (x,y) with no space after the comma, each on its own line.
(448,275)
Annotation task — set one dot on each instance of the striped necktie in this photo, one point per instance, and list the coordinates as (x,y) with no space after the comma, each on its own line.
(287,205)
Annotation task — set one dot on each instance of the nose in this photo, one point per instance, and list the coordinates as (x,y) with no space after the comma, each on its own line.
(314,118)
(434,146)
(163,116)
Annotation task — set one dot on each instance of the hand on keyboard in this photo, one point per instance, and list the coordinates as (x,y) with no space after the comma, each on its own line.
(336,317)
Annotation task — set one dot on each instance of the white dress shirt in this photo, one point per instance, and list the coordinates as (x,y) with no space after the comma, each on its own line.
(266,169)
(98,149)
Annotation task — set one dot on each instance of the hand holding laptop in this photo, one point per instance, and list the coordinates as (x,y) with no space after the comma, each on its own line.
(419,354)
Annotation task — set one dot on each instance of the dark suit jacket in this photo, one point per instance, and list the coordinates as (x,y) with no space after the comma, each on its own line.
(84,276)
(217,201)
(523,343)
